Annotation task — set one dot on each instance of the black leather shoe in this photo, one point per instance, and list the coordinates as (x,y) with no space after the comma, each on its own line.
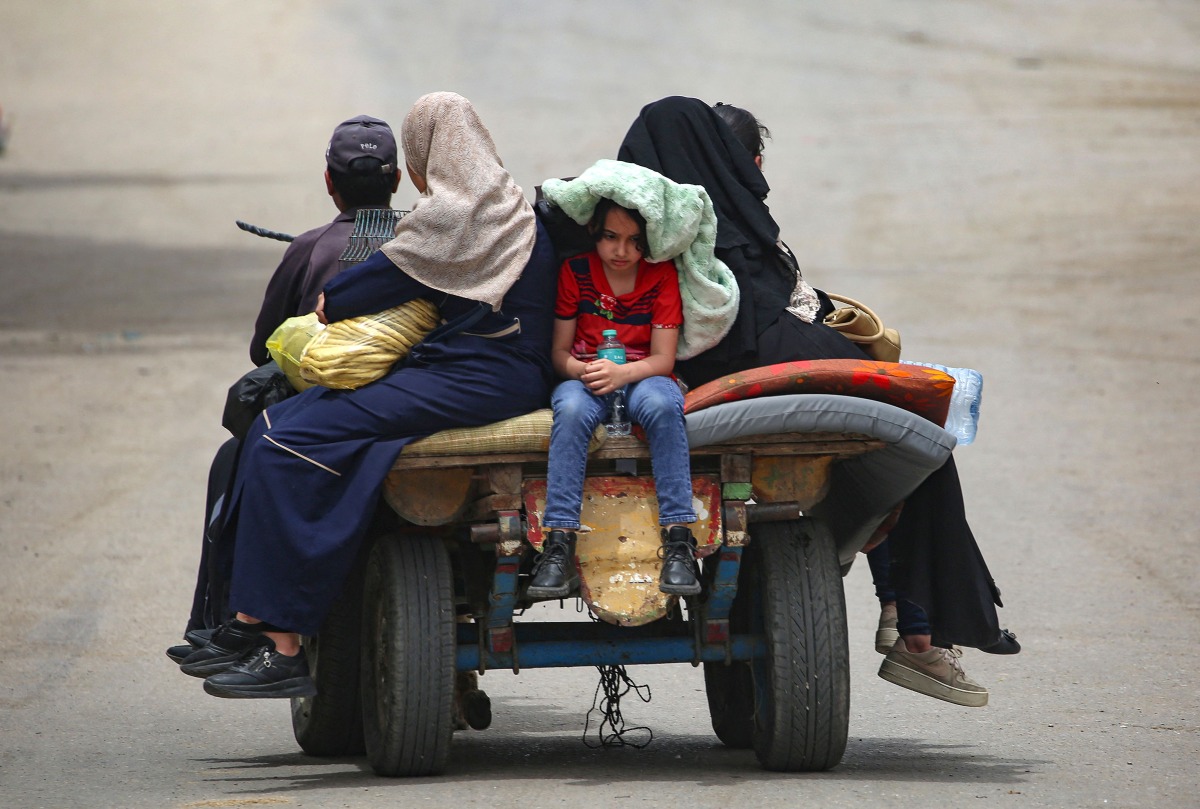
(199,637)
(196,638)
(554,574)
(230,640)
(1006,645)
(264,673)
(679,574)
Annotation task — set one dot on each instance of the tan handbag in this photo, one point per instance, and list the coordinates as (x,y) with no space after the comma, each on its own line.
(860,325)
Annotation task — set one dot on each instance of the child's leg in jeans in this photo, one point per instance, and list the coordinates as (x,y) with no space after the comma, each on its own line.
(577,413)
(911,620)
(656,403)
(879,559)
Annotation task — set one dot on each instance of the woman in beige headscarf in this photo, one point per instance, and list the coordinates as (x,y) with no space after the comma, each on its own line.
(312,467)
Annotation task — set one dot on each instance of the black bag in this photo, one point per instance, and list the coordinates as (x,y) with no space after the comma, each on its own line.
(252,394)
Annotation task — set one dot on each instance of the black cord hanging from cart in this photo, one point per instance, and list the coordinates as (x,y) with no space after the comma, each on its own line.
(615,683)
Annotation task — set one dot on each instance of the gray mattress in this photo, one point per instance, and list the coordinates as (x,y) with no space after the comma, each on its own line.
(864,488)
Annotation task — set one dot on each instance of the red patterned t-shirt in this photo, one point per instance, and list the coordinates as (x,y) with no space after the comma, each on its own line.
(584,294)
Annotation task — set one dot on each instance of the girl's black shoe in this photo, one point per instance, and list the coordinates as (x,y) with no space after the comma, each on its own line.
(679,574)
(554,573)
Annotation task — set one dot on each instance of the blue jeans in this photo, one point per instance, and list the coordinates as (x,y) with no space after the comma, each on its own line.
(655,403)
(910,618)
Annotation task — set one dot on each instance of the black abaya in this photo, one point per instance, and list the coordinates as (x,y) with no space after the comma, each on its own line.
(937,562)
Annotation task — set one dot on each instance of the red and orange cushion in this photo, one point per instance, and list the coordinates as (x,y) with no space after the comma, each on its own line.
(922,391)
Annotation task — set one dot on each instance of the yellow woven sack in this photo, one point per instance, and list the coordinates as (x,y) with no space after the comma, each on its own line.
(350,353)
(287,343)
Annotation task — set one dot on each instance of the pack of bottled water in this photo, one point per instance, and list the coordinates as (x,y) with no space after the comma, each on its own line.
(963,418)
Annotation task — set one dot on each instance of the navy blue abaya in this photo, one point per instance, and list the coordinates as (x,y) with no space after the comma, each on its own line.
(312,467)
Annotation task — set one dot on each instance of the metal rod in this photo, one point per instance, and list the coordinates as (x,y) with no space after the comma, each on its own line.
(773,512)
(266,234)
(641,651)
(583,631)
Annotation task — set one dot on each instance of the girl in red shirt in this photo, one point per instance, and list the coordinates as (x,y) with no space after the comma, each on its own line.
(614,287)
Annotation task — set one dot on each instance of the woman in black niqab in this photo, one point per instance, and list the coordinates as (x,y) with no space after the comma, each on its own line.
(940,565)
(685,140)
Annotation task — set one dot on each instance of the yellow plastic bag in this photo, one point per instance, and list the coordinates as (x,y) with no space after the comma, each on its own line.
(350,353)
(287,343)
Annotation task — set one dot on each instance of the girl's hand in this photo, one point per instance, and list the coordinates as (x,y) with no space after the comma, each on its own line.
(320,310)
(604,376)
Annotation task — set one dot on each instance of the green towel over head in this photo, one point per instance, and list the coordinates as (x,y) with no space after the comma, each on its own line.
(680,226)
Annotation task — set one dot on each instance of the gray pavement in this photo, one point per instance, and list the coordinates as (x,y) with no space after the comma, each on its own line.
(1013,184)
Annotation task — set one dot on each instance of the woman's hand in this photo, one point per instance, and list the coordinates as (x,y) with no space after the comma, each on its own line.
(320,310)
(604,376)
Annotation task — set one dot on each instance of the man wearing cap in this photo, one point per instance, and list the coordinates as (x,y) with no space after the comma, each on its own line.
(361,171)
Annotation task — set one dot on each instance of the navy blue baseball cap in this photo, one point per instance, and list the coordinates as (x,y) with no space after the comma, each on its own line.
(362,136)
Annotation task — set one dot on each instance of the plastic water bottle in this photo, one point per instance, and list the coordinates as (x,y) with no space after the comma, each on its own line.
(618,416)
(613,350)
(963,418)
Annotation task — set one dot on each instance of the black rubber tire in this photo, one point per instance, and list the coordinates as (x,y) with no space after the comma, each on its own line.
(330,724)
(730,691)
(407,671)
(802,716)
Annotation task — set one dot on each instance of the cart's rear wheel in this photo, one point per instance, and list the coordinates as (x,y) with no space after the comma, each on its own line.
(730,688)
(802,712)
(330,724)
(730,691)
(408,656)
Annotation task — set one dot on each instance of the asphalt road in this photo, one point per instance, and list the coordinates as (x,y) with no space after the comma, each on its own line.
(1014,184)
